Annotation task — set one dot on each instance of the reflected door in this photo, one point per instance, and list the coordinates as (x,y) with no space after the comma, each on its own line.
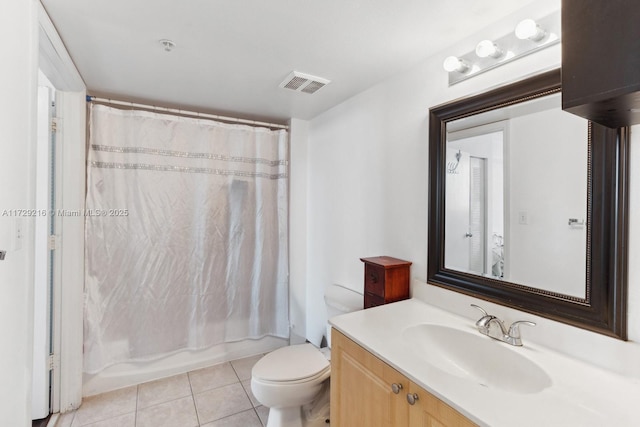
(457,211)
(477,235)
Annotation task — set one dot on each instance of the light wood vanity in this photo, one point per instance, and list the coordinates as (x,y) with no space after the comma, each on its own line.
(374,349)
(365,391)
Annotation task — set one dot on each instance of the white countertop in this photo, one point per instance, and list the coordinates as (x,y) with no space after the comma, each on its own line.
(580,394)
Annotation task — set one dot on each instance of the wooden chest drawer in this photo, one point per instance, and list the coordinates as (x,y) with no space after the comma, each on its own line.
(386,279)
(371,300)
(374,279)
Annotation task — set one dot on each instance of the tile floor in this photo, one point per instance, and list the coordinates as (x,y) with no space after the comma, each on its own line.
(217,396)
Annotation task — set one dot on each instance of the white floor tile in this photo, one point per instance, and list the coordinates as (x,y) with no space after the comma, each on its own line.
(163,390)
(221,402)
(126,420)
(105,406)
(243,366)
(247,388)
(65,419)
(176,413)
(263,413)
(217,396)
(242,419)
(212,377)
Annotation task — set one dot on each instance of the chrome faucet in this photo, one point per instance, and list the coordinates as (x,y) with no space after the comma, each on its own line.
(493,327)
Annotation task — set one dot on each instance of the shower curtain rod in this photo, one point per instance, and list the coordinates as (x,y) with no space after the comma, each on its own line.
(186,113)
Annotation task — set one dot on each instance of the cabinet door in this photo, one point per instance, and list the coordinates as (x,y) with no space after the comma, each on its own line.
(429,411)
(362,388)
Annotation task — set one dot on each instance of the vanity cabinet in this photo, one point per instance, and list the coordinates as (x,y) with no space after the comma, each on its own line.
(386,280)
(365,391)
(600,60)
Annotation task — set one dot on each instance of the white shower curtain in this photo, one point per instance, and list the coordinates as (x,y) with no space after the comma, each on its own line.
(186,235)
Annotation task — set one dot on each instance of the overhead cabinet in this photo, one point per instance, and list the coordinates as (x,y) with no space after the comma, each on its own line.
(601,60)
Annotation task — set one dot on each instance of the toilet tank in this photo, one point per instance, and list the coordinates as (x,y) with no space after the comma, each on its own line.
(341,300)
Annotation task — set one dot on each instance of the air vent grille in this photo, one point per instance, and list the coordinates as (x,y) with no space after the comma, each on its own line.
(312,87)
(295,83)
(301,82)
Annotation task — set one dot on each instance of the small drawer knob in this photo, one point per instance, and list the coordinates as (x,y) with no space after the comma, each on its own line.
(395,387)
(412,398)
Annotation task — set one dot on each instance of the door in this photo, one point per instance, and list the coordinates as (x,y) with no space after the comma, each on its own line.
(429,411)
(457,210)
(364,390)
(477,235)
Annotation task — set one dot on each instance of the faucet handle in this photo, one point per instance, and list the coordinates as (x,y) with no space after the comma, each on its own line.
(483,323)
(514,331)
(484,312)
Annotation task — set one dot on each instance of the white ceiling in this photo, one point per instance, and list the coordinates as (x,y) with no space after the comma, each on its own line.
(231,55)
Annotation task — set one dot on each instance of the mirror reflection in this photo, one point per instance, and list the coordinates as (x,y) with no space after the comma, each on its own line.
(516,191)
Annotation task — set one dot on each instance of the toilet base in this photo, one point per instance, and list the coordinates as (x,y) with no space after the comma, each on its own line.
(315,414)
(292,417)
(285,417)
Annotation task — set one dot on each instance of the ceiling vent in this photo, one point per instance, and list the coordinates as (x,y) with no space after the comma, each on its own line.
(301,82)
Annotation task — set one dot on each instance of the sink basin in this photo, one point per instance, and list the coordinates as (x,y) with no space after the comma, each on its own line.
(477,358)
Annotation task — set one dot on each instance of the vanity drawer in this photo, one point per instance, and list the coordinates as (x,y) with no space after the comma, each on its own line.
(386,280)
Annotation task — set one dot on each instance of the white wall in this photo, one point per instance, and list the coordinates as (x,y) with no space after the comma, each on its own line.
(547,164)
(18,84)
(368,168)
(368,181)
(360,179)
(298,153)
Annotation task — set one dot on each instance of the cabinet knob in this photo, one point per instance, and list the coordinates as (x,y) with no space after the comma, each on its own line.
(395,387)
(412,398)
(373,277)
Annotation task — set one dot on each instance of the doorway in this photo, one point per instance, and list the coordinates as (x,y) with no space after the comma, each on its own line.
(475,204)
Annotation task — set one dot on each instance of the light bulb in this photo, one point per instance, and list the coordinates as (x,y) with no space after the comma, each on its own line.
(453,63)
(529,29)
(488,48)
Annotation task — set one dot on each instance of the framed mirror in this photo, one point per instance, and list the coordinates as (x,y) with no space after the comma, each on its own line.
(528,205)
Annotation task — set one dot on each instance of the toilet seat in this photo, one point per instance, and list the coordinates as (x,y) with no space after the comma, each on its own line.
(321,376)
(292,365)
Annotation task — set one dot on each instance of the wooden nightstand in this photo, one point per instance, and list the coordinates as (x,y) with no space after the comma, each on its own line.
(386,280)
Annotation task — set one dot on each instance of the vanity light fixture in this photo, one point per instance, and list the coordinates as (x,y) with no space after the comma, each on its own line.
(529,29)
(453,63)
(487,48)
(530,35)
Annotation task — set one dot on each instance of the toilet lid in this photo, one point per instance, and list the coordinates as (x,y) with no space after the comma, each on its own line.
(291,363)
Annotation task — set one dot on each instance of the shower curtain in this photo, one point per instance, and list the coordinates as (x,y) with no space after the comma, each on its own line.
(186,235)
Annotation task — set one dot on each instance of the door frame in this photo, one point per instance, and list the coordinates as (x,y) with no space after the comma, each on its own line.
(67,329)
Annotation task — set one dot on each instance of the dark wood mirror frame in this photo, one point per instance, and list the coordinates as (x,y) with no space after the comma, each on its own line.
(604,308)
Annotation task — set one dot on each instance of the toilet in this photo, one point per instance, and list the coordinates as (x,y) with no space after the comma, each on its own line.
(293,381)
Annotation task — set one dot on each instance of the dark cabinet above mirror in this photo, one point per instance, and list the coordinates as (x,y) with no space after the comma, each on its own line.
(601,60)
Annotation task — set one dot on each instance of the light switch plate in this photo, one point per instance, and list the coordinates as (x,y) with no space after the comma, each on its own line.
(523,218)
